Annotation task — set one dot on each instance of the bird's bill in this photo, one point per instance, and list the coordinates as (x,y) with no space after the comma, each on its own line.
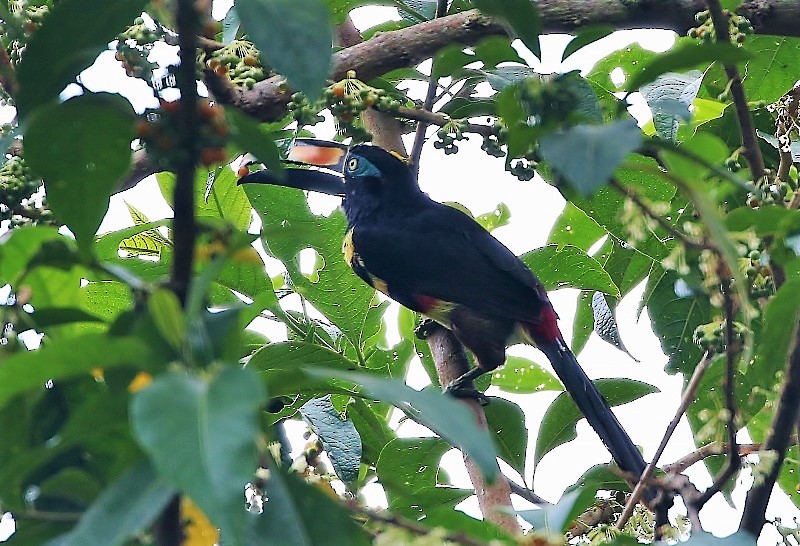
(301,172)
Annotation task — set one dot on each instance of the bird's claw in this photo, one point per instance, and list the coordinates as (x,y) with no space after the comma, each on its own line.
(466,391)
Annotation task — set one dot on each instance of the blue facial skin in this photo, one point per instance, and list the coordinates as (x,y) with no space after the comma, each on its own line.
(357,166)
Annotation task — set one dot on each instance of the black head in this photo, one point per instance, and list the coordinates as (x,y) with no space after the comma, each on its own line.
(371,178)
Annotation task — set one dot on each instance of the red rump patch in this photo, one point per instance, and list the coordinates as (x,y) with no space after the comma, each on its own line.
(426,303)
(546,328)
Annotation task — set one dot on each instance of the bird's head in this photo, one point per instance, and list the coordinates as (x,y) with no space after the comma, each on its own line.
(365,175)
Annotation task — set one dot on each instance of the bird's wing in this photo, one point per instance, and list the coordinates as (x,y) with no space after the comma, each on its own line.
(439,252)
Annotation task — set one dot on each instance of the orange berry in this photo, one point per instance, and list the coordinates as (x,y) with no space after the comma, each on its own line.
(338,90)
(243,171)
(221,70)
(205,109)
(250,60)
(212,63)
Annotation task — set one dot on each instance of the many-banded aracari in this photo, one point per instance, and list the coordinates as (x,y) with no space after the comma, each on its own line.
(436,260)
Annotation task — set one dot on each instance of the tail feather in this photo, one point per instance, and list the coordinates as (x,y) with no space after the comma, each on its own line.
(594,407)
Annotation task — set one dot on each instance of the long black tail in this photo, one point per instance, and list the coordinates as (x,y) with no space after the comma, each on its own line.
(594,407)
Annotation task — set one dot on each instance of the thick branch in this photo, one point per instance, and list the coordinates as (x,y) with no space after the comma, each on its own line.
(786,416)
(451,362)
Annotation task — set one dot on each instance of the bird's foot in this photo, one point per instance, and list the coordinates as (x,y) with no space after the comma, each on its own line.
(468,390)
(426,328)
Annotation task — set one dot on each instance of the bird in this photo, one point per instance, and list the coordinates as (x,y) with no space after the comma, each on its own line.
(438,261)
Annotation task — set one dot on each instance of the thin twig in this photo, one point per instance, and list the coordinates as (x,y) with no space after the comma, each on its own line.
(527,494)
(430,95)
(672,230)
(414,527)
(686,401)
(708,450)
(751,151)
(734,461)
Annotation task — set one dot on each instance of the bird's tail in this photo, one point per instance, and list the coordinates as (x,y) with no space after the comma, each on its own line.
(593,406)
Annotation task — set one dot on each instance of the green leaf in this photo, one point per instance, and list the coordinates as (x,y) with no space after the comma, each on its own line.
(675,315)
(252,137)
(446,417)
(66,357)
(408,469)
(288,226)
(568,267)
(339,437)
(669,98)
(574,227)
(556,519)
(587,155)
(558,424)
(200,434)
(65,59)
(21,245)
(504,76)
(165,308)
(294,36)
(586,36)
(686,55)
(522,15)
(81,148)
(506,421)
(600,477)
(522,376)
(781,311)
(769,73)
(299,514)
(127,507)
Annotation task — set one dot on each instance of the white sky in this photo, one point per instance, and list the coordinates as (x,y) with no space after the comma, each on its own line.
(479,182)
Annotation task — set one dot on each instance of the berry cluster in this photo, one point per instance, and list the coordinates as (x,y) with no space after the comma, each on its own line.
(346,100)
(160,132)
(739,27)
(523,168)
(448,134)
(552,103)
(711,336)
(493,142)
(770,194)
(240,61)
(18,185)
(134,47)
(759,275)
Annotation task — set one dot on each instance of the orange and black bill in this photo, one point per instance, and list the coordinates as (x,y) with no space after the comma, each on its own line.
(314,165)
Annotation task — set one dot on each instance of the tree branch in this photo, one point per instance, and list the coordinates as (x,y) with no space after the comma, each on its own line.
(686,401)
(751,150)
(785,420)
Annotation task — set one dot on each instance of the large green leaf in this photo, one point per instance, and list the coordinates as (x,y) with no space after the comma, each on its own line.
(686,55)
(568,267)
(574,227)
(299,514)
(587,155)
(522,15)
(127,507)
(408,469)
(82,149)
(674,315)
(294,36)
(445,416)
(201,435)
(288,226)
(64,58)
(252,137)
(522,376)
(67,357)
(768,74)
(21,245)
(339,437)
(558,423)
(506,421)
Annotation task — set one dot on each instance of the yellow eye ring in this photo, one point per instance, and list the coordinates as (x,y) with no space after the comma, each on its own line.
(352,164)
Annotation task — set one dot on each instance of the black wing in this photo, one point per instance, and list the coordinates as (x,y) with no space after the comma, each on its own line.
(440,252)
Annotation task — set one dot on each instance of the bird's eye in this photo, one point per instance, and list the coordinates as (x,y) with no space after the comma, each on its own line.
(352,164)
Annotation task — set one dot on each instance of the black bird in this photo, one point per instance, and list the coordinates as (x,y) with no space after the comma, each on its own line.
(436,260)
